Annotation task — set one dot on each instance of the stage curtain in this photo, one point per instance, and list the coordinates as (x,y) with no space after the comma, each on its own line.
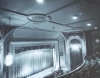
(31,62)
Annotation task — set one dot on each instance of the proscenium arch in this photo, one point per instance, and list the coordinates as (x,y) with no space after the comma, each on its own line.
(11,37)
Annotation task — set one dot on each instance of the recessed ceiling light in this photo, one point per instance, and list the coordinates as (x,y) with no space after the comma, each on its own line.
(88,24)
(40,1)
(75,17)
(95,27)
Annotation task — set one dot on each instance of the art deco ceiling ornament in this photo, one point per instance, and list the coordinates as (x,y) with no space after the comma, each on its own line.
(39,17)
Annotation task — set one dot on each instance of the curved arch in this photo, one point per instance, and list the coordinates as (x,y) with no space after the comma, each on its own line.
(75,53)
(68,60)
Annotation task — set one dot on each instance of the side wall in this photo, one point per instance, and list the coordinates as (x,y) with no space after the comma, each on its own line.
(93,41)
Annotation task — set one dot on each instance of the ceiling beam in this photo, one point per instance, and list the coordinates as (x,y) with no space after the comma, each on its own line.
(59,9)
(84,20)
(58,23)
(64,25)
(15,12)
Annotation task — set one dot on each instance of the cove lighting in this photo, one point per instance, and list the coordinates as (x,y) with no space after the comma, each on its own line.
(40,1)
(88,24)
(75,17)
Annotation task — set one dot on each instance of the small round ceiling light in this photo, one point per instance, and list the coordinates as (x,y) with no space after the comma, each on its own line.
(75,17)
(39,17)
(88,24)
(40,1)
(95,27)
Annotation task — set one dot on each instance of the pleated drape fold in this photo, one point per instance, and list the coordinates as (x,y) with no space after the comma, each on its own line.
(31,62)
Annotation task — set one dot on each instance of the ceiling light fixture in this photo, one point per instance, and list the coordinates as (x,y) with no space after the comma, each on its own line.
(75,17)
(88,24)
(95,27)
(40,1)
(39,17)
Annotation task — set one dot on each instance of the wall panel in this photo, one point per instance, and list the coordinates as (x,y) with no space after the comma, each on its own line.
(93,41)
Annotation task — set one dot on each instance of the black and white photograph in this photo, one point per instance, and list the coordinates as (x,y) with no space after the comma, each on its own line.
(49,38)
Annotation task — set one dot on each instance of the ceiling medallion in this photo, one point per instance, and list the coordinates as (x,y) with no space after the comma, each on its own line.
(39,17)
